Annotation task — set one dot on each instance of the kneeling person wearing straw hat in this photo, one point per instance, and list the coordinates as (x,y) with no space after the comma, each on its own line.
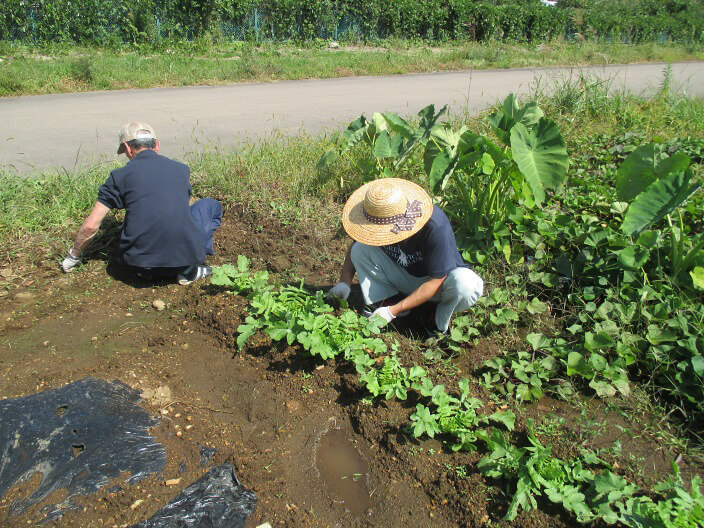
(404,253)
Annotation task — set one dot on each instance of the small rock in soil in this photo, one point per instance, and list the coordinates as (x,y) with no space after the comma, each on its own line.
(6,273)
(160,396)
(279,264)
(159,305)
(293,406)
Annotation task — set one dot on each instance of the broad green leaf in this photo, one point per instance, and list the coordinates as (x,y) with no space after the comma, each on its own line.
(504,417)
(621,383)
(657,335)
(277,334)
(428,116)
(242,263)
(328,158)
(379,122)
(387,146)
(523,393)
(506,250)
(649,239)
(538,341)
(438,171)
(536,306)
(643,166)
(633,257)
(658,200)
(698,365)
(488,164)
(246,331)
(576,364)
(598,341)
(597,362)
(540,155)
(398,125)
(353,134)
(697,275)
(503,121)
(602,388)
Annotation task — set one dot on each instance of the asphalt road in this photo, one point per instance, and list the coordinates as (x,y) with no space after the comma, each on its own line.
(80,129)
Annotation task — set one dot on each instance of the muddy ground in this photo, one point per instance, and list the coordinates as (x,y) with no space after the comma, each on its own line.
(297,430)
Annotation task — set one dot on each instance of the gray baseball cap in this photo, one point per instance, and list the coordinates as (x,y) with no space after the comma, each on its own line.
(134,130)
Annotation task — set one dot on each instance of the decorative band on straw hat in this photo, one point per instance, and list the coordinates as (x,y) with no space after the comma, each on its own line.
(386,211)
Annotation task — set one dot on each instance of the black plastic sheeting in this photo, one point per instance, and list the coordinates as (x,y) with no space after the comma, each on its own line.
(79,437)
(217,500)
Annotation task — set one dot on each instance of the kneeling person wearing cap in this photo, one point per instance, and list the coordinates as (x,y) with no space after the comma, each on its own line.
(162,235)
(404,253)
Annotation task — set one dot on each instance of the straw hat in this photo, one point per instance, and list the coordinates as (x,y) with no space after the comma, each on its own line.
(386,211)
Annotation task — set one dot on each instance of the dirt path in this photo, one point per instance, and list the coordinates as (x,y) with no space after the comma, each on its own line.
(46,131)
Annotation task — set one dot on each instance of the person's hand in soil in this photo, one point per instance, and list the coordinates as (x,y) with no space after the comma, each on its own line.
(341,290)
(70,262)
(385,313)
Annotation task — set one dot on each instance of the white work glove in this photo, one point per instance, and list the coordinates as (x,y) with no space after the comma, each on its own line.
(341,290)
(385,313)
(70,262)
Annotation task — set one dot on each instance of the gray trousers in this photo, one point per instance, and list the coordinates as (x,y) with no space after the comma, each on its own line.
(380,278)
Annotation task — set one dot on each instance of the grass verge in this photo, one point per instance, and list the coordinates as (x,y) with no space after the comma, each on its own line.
(59,68)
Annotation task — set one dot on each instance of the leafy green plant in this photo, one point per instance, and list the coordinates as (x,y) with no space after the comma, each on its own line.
(480,183)
(391,380)
(239,279)
(520,375)
(390,138)
(655,184)
(680,508)
(537,473)
(458,418)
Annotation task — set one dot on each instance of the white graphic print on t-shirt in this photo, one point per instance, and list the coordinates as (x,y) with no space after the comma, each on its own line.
(403,259)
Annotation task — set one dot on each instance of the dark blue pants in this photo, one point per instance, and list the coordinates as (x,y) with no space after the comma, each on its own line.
(208,215)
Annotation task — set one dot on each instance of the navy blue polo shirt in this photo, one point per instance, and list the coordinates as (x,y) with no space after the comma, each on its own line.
(158,230)
(431,252)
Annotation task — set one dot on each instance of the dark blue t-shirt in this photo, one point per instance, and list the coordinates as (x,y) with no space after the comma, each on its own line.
(431,252)
(159,230)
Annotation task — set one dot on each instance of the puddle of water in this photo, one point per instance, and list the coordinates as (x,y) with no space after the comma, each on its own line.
(343,471)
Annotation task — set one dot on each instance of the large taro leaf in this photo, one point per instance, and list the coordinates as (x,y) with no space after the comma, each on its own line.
(470,143)
(440,155)
(541,156)
(659,199)
(387,146)
(398,125)
(429,118)
(414,138)
(503,121)
(645,165)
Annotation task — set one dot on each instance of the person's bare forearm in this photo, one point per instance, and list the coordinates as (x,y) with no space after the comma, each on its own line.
(88,229)
(348,271)
(83,237)
(422,294)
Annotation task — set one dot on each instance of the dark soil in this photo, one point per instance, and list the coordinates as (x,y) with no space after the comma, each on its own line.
(264,409)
